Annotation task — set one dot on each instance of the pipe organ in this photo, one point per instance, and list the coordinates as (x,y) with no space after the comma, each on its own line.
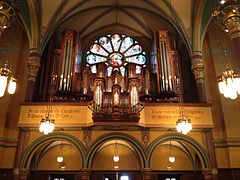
(167,67)
(116,74)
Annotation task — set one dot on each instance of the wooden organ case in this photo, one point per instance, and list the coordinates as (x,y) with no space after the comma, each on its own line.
(116,76)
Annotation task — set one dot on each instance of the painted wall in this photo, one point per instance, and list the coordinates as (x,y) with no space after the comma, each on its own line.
(72,159)
(103,160)
(14,48)
(225,111)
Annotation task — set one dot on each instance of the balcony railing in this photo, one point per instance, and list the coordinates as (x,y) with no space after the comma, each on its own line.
(115,113)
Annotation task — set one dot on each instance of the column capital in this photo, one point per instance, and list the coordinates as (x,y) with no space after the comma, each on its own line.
(207,173)
(197,65)
(34,63)
(24,173)
(85,174)
(146,173)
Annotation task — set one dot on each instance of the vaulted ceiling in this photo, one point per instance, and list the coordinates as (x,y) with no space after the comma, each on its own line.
(187,18)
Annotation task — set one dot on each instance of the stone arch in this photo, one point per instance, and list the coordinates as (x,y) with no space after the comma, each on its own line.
(31,149)
(199,149)
(135,144)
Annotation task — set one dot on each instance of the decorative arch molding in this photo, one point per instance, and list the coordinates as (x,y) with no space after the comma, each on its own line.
(136,145)
(31,149)
(199,149)
(53,25)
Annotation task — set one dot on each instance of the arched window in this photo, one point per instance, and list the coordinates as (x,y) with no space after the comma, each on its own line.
(116,51)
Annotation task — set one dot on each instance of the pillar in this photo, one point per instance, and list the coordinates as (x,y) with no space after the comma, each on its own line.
(33,68)
(20,149)
(146,174)
(207,174)
(211,153)
(198,71)
(85,174)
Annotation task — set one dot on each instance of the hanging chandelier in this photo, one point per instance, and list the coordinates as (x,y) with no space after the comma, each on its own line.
(47,125)
(171,157)
(60,154)
(229,83)
(227,13)
(116,157)
(7,12)
(183,125)
(7,81)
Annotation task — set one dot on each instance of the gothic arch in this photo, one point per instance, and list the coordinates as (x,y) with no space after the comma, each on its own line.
(199,149)
(31,149)
(135,144)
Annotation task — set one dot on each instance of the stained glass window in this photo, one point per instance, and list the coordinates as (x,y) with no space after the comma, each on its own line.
(116,51)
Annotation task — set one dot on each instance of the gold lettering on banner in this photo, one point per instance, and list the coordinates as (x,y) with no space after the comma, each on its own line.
(61,114)
(169,114)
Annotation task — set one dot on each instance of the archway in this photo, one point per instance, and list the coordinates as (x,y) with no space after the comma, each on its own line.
(197,147)
(31,150)
(130,141)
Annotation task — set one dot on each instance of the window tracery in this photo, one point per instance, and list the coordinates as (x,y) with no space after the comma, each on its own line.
(116,51)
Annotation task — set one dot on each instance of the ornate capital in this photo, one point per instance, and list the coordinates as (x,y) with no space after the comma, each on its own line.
(197,65)
(85,174)
(24,173)
(146,173)
(87,136)
(34,63)
(207,173)
(145,137)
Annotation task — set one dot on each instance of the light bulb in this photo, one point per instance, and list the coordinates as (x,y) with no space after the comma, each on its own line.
(236,83)
(116,158)
(233,95)
(222,86)
(12,86)
(179,126)
(59,159)
(222,2)
(3,84)
(171,159)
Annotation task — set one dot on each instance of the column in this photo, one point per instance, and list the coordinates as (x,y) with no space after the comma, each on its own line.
(20,148)
(24,174)
(85,174)
(207,174)
(198,71)
(211,153)
(33,68)
(146,174)
(231,21)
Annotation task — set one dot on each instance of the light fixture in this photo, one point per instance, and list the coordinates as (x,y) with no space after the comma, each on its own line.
(183,125)
(60,154)
(47,124)
(116,157)
(227,13)
(229,83)
(5,74)
(7,12)
(222,1)
(171,157)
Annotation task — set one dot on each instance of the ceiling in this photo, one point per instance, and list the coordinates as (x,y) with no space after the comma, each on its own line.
(186,18)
